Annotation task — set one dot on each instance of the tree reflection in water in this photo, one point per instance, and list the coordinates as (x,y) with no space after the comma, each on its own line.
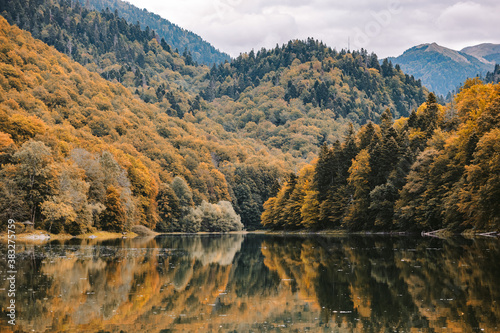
(257,282)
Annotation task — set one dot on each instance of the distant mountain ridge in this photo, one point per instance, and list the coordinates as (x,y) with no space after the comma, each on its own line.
(487,51)
(442,69)
(202,51)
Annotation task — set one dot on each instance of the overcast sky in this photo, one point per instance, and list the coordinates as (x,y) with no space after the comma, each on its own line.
(386,27)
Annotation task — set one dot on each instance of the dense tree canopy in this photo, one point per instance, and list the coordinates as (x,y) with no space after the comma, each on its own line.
(437,168)
(302,94)
(292,98)
(79,152)
(139,134)
(179,38)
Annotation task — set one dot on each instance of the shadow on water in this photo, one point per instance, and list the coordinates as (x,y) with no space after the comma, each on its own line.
(255,283)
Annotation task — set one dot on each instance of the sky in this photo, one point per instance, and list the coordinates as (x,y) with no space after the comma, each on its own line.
(386,27)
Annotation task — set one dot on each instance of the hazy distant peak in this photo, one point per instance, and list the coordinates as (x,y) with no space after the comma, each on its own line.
(483,51)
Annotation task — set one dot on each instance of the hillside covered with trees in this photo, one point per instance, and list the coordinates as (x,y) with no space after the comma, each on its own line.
(179,38)
(103,125)
(79,152)
(105,43)
(292,98)
(437,168)
(493,76)
(300,95)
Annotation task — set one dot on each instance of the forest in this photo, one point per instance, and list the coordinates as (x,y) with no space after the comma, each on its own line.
(177,37)
(292,98)
(105,125)
(80,153)
(438,168)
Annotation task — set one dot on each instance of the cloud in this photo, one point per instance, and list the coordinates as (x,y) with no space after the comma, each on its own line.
(386,27)
(471,21)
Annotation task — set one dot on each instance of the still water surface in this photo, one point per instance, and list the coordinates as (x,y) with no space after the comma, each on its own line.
(254,283)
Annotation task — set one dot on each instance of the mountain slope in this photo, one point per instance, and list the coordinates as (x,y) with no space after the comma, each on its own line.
(118,51)
(104,159)
(293,98)
(298,96)
(174,35)
(487,51)
(440,69)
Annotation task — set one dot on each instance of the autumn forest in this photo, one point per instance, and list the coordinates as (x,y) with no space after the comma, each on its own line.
(106,124)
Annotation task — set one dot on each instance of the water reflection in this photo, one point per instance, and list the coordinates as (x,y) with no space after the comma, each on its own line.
(255,283)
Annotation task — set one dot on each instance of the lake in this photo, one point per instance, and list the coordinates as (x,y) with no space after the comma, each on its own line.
(255,282)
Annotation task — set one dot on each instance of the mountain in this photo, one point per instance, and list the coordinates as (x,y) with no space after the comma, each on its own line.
(118,51)
(441,69)
(272,109)
(179,38)
(487,52)
(292,98)
(104,126)
(78,152)
(300,95)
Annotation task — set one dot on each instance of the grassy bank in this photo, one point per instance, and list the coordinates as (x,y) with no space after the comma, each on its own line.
(40,235)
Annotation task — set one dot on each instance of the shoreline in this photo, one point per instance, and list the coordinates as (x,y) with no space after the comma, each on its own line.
(42,236)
